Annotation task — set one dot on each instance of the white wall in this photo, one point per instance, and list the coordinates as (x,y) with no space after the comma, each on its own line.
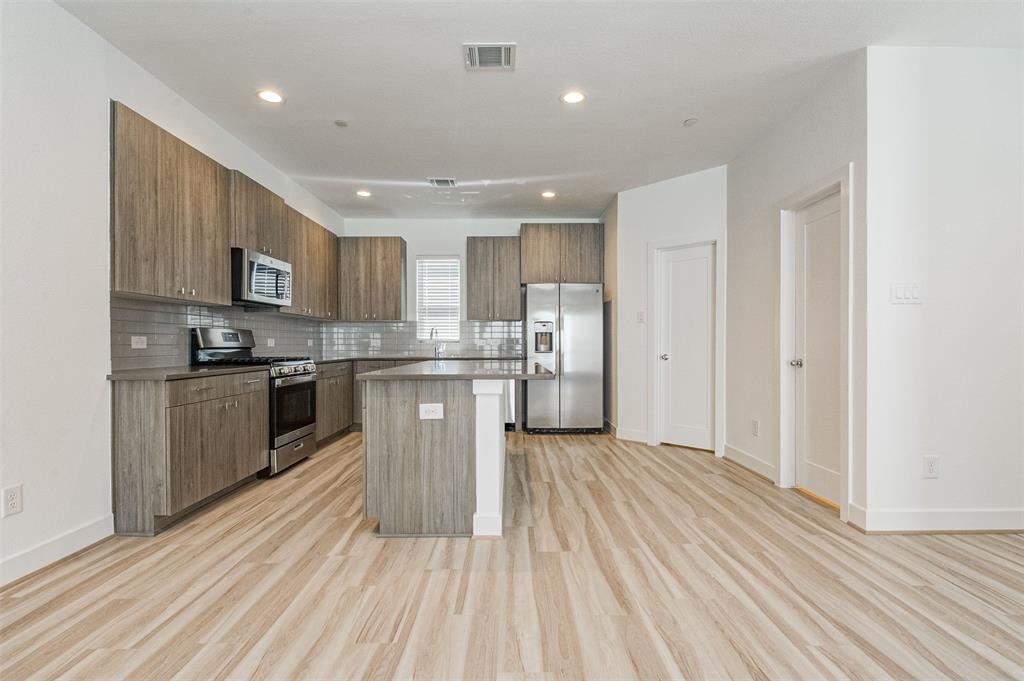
(823,133)
(945,192)
(438,237)
(611,311)
(58,77)
(691,208)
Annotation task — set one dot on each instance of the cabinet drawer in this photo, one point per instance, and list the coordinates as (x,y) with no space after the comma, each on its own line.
(333,369)
(191,390)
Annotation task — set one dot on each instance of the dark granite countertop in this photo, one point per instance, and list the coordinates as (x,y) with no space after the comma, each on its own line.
(177,373)
(461,369)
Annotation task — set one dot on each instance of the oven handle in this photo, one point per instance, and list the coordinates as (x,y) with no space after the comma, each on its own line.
(292,380)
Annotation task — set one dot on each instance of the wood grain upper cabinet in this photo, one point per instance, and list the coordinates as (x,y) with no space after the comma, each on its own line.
(371,278)
(492,278)
(541,253)
(328,257)
(582,253)
(169,222)
(258,221)
(569,253)
(314,262)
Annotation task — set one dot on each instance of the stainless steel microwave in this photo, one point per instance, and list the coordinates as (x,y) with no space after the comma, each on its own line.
(259,279)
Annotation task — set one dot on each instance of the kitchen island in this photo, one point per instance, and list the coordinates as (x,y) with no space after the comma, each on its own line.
(434,441)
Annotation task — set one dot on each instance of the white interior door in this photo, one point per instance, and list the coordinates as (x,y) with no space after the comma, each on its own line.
(686,358)
(818,317)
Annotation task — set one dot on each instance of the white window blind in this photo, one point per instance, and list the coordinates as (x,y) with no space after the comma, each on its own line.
(438,289)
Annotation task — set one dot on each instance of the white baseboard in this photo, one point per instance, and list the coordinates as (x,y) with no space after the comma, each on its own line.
(486,525)
(748,460)
(631,435)
(42,554)
(936,519)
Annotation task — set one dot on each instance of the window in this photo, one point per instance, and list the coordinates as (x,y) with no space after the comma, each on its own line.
(438,289)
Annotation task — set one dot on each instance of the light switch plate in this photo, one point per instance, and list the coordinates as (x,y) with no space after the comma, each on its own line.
(139,342)
(905,293)
(641,318)
(309,342)
(431,411)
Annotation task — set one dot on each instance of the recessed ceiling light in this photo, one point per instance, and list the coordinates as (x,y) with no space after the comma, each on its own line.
(573,97)
(270,96)
(548,195)
(364,193)
(690,122)
(341,123)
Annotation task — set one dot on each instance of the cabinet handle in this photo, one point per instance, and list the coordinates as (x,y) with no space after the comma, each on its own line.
(236,404)
(254,380)
(270,251)
(193,291)
(203,387)
(299,446)
(182,290)
(366,316)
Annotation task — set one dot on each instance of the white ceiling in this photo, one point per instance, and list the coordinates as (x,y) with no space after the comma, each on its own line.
(394,72)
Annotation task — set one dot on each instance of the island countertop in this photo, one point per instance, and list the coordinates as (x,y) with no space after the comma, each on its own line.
(462,369)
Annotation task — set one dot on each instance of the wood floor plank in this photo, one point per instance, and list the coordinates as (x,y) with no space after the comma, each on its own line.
(618,561)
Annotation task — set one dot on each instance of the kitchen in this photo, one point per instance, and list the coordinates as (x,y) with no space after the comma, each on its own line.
(338,341)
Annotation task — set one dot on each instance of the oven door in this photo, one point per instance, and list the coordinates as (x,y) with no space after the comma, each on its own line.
(292,408)
(258,278)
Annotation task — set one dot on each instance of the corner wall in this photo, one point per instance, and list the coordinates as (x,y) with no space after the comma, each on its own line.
(946,209)
(611,312)
(823,133)
(690,208)
(58,77)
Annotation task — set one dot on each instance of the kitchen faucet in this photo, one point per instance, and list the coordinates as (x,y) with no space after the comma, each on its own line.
(438,346)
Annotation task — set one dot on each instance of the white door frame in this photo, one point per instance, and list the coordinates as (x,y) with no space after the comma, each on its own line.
(654,323)
(839,182)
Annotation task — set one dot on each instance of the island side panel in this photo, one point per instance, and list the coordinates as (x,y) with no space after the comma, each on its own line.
(420,478)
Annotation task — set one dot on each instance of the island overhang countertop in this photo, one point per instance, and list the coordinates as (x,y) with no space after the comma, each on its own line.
(462,369)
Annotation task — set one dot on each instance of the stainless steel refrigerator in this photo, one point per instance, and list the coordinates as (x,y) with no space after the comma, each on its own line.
(564,331)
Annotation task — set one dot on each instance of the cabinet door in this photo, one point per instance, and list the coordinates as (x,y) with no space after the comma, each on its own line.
(257,217)
(359,387)
(324,407)
(582,253)
(296,223)
(220,430)
(354,258)
(253,447)
(142,238)
(480,277)
(507,298)
(329,277)
(540,255)
(345,401)
(184,451)
(387,278)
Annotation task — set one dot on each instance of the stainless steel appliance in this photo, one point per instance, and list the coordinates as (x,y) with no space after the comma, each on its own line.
(292,390)
(258,279)
(564,332)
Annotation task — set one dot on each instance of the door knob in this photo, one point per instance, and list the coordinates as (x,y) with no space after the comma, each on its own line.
(796,363)
(665,357)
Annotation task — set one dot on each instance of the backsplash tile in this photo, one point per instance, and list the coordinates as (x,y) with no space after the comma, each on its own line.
(165,326)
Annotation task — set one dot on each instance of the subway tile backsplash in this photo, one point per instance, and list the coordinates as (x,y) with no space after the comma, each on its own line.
(165,326)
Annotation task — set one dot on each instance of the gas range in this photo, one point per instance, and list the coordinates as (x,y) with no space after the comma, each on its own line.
(292,390)
(234,347)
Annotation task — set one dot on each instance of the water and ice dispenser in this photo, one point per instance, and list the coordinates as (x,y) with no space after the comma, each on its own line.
(543,336)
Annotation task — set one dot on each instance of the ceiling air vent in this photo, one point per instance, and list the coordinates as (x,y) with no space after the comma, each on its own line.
(441,182)
(486,56)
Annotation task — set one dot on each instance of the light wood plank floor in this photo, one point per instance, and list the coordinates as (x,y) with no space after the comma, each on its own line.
(620,561)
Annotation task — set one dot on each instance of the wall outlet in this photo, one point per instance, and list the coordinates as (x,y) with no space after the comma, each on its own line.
(641,318)
(431,411)
(270,342)
(931,467)
(755,428)
(12,500)
(139,342)
(309,342)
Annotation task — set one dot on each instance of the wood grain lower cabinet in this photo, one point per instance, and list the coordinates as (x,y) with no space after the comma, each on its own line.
(170,457)
(359,387)
(333,405)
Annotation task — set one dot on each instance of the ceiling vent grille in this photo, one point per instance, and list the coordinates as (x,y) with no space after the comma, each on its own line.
(489,56)
(441,182)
